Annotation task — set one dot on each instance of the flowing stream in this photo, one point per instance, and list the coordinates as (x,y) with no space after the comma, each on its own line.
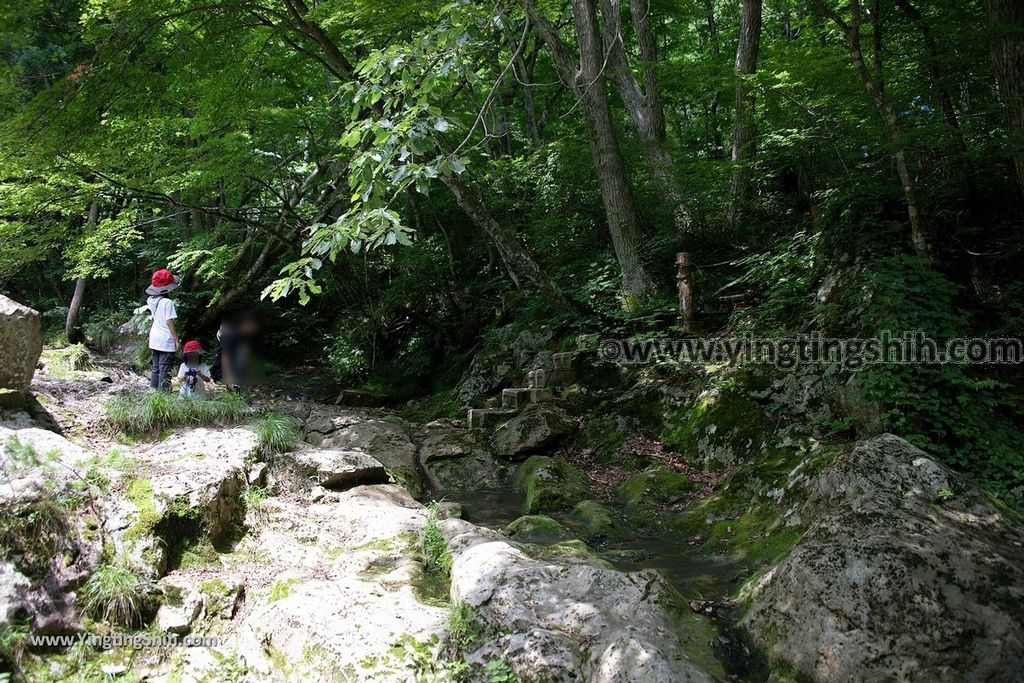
(694,574)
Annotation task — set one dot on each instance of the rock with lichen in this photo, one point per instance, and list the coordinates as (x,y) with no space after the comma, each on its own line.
(903,573)
(656,485)
(20,345)
(551,484)
(721,428)
(540,426)
(558,617)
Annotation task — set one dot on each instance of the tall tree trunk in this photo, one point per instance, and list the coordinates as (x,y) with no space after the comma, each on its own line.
(873,84)
(1006,26)
(714,134)
(587,81)
(524,72)
(744,146)
(71,329)
(942,94)
(617,193)
(644,104)
(515,256)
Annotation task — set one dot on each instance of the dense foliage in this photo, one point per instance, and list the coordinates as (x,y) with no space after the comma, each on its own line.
(386,180)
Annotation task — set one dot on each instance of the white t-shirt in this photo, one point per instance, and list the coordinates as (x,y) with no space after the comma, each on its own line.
(199,389)
(160,338)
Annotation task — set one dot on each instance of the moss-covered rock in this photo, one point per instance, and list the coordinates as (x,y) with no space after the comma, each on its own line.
(221,596)
(538,427)
(572,551)
(595,520)
(551,484)
(722,427)
(139,492)
(604,434)
(749,514)
(657,485)
(537,529)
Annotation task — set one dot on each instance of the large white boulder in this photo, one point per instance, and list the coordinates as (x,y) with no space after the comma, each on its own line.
(569,619)
(327,467)
(903,574)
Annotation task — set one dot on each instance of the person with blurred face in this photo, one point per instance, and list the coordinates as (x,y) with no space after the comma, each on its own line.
(238,335)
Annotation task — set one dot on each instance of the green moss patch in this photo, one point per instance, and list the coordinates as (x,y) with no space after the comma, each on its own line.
(139,492)
(551,484)
(604,435)
(181,528)
(743,516)
(595,520)
(537,529)
(281,589)
(379,566)
(657,485)
(721,428)
(574,551)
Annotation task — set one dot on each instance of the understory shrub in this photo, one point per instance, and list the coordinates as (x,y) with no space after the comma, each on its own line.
(103,329)
(969,416)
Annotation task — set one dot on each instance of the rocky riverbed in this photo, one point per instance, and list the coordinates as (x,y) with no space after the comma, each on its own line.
(325,579)
(324,560)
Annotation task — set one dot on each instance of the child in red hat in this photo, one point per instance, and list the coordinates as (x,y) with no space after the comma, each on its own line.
(163,336)
(193,373)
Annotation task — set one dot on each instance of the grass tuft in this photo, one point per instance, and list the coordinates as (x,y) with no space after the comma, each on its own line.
(13,643)
(433,546)
(63,363)
(464,626)
(153,413)
(253,498)
(117,594)
(276,433)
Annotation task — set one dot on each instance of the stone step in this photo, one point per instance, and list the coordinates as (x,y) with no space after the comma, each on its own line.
(561,372)
(489,417)
(519,397)
(514,399)
(545,395)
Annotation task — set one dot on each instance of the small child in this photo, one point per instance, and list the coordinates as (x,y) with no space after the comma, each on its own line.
(193,373)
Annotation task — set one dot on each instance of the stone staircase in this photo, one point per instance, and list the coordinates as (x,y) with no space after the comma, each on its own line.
(539,389)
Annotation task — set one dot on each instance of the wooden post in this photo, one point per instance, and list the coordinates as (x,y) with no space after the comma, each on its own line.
(685,284)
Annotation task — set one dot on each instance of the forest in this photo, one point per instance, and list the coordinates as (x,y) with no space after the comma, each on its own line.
(442,231)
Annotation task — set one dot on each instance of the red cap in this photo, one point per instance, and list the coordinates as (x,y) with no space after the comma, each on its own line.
(192,347)
(162,278)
